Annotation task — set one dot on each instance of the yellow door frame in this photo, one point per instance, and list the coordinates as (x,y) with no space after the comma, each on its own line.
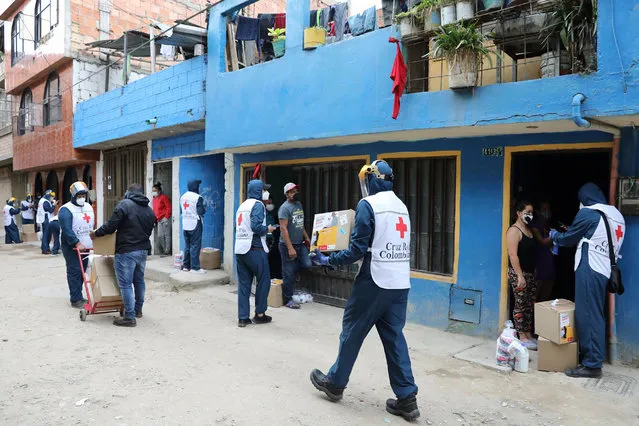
(318,160)
(508,154)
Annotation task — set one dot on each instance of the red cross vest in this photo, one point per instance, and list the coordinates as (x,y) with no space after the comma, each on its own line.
(390,251)
(9,219)
(598,256)
(243,231)
(188,205)
(82,222)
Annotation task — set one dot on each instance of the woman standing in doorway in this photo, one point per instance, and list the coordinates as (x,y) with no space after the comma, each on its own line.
(521,272)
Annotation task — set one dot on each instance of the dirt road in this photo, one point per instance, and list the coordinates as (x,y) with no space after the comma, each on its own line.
(188,363)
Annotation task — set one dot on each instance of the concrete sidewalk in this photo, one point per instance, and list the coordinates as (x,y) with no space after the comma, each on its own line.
(161,269)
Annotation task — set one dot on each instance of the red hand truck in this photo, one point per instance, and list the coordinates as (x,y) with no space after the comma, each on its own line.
(91,308)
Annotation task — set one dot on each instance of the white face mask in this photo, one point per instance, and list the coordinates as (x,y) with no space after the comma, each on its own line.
(266,195)
(270,207)
(155,194)
(581,206)
(80,201)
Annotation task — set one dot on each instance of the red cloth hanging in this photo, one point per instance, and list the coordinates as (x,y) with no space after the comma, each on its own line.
(398,75)
(280,20)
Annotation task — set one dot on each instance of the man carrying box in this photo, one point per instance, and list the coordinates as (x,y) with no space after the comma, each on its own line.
(134,221)
(381,237)
(76,222)
(293,237)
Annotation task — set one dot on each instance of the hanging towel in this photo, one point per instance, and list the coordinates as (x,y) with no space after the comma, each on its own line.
(370,19)
(325,17)
(280,20)
(313,21)
(340,17)
(398,75)
(247,29)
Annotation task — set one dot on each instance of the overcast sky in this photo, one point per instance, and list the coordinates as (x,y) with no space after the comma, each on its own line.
(357,6)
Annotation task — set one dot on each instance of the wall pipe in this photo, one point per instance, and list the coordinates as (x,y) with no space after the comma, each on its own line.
(577,100)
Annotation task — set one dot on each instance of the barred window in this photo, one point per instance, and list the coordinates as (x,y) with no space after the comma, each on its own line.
(52,100)
(25,115)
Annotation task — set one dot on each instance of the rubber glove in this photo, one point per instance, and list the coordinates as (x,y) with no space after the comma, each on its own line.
(318,258)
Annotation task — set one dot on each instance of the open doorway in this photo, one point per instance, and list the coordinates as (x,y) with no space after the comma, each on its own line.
(163,174)
(556,177)
(70,177)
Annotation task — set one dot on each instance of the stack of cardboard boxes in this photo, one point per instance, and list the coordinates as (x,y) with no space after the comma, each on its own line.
(104,284)
(332,231)
(557,344)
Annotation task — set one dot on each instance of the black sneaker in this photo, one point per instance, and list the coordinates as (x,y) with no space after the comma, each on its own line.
(138,314)
(244,322)
(264,319)
(321,383)
(125,322)
(78,303)
(406,408)
(584,372)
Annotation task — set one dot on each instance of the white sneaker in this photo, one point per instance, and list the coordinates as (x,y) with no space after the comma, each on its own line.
(199,271)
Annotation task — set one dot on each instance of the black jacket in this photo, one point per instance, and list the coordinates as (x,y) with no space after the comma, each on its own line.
(134,220)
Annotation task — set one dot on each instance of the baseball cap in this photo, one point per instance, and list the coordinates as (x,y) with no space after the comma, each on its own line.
(290,186)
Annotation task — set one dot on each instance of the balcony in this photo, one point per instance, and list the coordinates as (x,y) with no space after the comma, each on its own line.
(341,93)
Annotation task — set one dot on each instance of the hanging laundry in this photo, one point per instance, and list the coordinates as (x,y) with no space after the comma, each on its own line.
(280,20)
(247,29)
(313,21)
(325,16)
(340,17)
(364,22)
(167,52)
(398,75)
(267,20)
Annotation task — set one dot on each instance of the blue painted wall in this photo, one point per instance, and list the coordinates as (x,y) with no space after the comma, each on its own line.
(174,95)
(480,224)
(178,146)
(210,170)
(344,88)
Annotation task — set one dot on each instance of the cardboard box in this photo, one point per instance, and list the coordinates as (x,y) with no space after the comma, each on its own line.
(275,297)
(104,246)
(332,231)
(104,284)
(555,320)
(210,258)
(558,358)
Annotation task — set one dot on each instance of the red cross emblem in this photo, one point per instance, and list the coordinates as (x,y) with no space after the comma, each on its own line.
(619,232)
(186,205)
(239,220)
(86,218)
(401,228)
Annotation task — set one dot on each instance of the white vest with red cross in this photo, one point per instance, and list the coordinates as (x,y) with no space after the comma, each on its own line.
(243,231)
(390,251)
(598,255)
(9,219)
(82,222)
(188,204)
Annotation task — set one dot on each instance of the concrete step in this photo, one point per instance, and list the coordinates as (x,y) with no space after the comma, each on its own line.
(161,269)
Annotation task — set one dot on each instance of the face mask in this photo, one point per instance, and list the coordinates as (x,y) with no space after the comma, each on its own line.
(266,196)
(270,207)
(581,206)
(80,201)
(527,218)
(154,193)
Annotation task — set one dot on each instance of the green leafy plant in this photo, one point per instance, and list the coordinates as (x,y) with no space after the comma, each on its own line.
(277,34)
(460,41)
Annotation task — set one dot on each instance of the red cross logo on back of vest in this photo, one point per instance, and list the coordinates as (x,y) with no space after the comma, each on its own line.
(239,220)
(401,228)
(186,205)
(619,232)
(86,218)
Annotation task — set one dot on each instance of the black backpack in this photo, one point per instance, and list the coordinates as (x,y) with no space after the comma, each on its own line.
(615,285)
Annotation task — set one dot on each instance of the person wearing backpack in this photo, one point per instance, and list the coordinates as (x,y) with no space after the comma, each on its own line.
(596,226)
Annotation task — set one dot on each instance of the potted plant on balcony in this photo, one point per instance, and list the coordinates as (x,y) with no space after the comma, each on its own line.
(448,11)
(429,10)
(278,36)
(463,48)
(464,10)
(409,22)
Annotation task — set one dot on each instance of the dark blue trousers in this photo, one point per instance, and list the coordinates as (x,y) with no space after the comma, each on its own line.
(11,234)
(368,306)
(192,247)
(249,265)
(74,273)
(54,230)
(590,302)
(46,238)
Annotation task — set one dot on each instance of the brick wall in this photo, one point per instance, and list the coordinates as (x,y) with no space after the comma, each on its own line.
(177,146)
(174,95)
(52,145)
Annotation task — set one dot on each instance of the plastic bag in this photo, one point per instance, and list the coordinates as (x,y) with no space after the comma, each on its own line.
(39,235)
(507,336)
(519,354)
(178,260)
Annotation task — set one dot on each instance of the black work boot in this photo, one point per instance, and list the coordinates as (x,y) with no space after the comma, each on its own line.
(78,304)
(584,372)
(406,408)
(244,322)
(138,313)
(264,319)
(125,322)
(321,383)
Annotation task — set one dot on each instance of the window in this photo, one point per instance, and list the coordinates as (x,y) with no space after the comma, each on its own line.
(52,100)
(25,115)
(46,18)
(17,39)
(428,188)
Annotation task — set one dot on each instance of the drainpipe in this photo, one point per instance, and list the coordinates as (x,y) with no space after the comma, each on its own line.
(594,124)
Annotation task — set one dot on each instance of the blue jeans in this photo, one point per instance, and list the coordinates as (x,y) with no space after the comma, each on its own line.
(74,273)
(129,269)
(192,247)
(54,230)
(249,265)
(368,306)
(291,266)
(46,238)
(11,234)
